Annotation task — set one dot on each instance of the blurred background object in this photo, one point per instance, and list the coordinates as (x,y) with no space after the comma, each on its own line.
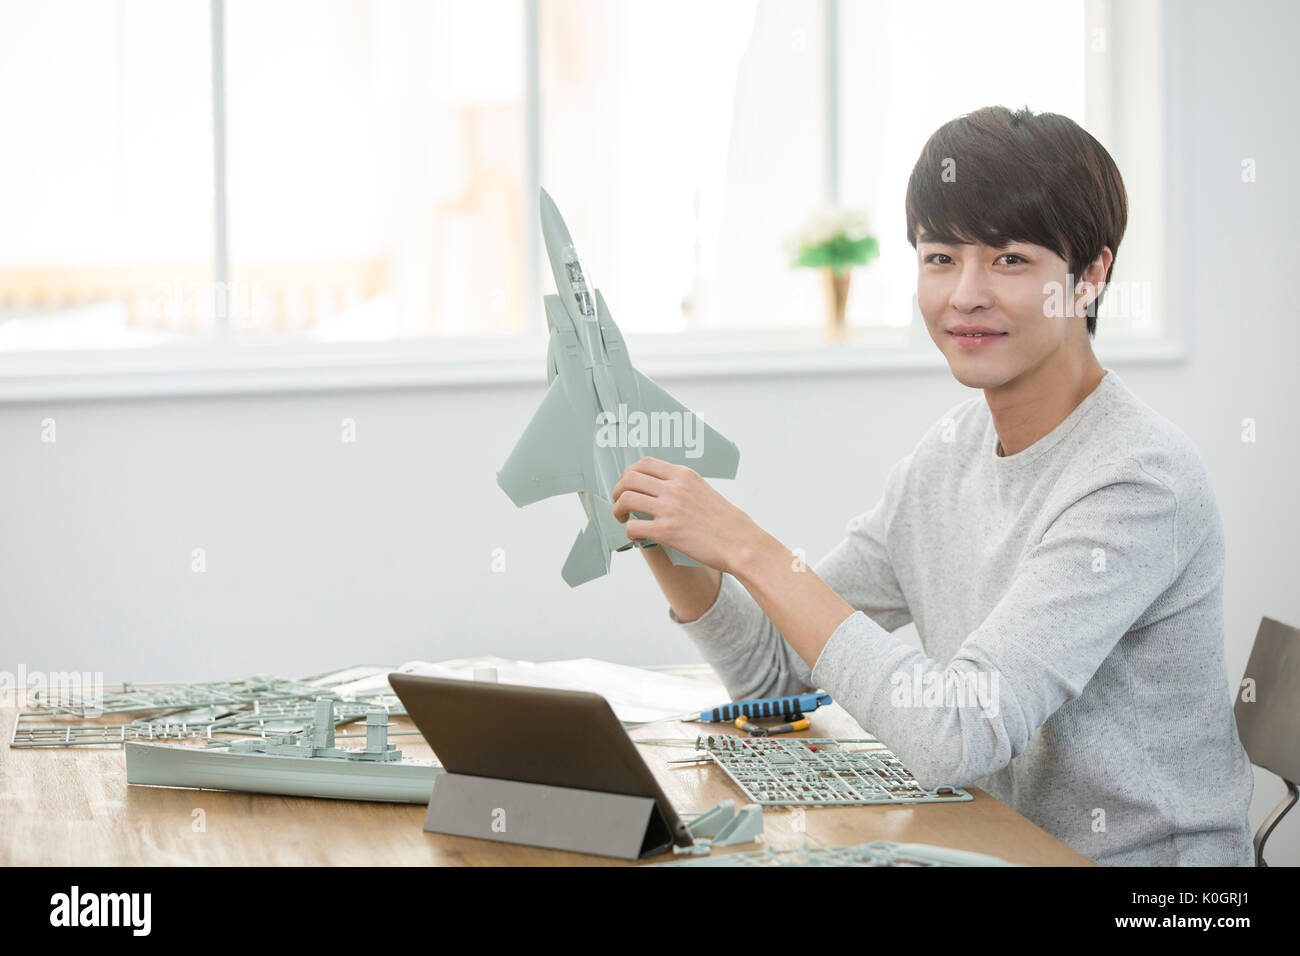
(835,241)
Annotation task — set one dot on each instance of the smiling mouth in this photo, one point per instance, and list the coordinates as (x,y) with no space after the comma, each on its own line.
(975,342)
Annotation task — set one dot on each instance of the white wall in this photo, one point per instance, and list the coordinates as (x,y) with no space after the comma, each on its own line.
(321,553)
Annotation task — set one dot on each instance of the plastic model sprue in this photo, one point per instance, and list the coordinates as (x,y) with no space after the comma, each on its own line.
(262,734)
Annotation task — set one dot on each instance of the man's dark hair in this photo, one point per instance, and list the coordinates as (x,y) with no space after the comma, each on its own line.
(1019,177)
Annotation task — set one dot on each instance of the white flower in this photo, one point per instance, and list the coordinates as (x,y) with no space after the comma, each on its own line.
(832,221)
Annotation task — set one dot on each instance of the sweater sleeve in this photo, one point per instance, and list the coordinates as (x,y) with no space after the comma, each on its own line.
(752,658)
(1101,563)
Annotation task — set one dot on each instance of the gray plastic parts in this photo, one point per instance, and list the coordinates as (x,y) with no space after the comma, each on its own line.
(599,416)
(723,826)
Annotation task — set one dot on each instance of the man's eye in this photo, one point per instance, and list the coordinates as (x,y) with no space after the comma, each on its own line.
(1012,255)
(936,255)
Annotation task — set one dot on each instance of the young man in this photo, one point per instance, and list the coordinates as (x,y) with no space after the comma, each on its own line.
(1057,542)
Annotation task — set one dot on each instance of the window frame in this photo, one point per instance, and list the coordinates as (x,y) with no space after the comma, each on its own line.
(1147,120)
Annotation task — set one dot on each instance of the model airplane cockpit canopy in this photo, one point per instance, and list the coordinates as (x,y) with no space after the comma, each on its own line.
(599,416)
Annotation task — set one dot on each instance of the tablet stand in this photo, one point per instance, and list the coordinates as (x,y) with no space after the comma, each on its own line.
(559,818)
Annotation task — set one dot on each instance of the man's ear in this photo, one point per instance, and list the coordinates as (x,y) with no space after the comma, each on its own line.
(1090,284)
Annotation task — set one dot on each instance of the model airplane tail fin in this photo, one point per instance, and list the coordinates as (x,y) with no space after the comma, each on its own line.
(587,559)
(590,556)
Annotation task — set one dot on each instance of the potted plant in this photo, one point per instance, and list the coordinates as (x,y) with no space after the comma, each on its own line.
(835,240)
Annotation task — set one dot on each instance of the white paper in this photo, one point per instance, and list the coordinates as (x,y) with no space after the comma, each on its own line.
(635,694)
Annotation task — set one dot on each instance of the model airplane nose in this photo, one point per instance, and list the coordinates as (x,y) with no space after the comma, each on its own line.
(571,279)
(559,244)
(549,209)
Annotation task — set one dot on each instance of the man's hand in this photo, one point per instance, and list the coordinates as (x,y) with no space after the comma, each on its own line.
(689,515)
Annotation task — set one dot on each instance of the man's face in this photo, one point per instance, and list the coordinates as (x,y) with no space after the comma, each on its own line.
(1018,293)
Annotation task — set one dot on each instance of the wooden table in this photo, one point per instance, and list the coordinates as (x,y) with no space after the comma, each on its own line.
(71,806)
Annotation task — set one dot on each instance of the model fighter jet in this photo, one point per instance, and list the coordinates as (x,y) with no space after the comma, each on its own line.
(599,416)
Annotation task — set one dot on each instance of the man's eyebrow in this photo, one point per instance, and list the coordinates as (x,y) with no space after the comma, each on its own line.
(926,239)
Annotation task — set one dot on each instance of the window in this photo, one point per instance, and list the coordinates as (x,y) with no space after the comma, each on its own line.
(684,139)
(351,176)
(106,171)
(905,70)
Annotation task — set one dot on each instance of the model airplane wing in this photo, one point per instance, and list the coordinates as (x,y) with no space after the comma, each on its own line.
(701,447)
(546,461)
(692,441)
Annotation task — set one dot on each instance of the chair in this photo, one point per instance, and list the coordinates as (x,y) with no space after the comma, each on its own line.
(1269,725)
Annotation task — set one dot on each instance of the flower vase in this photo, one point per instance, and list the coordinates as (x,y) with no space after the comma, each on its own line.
(837,300)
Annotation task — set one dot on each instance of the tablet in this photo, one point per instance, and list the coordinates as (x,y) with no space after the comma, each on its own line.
(561,738)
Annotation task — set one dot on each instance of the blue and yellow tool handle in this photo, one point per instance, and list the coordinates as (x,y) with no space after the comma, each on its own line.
(766,707)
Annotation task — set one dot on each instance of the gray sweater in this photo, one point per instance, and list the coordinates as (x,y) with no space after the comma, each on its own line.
(1069,600)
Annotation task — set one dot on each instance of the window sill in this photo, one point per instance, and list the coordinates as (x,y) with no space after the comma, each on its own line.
(251,369)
